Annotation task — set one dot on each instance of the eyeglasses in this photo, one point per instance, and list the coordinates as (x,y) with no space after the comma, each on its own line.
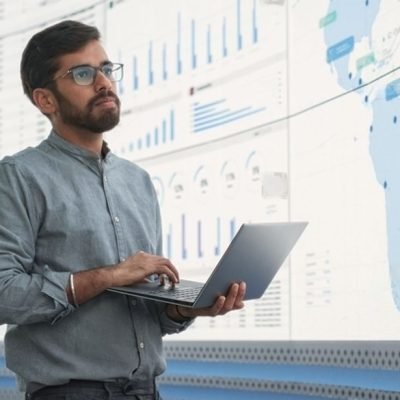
(85,75)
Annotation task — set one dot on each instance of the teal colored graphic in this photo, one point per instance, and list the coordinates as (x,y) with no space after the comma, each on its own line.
(354,21)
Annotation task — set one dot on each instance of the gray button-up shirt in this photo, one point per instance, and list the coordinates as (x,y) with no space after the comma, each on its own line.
(63,209)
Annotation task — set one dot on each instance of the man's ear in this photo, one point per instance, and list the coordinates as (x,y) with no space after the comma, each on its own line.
(44,100)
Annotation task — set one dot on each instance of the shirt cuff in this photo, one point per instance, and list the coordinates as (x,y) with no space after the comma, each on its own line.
(54,285)
(172,326)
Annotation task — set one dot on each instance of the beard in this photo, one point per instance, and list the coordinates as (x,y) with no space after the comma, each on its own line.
(86,119)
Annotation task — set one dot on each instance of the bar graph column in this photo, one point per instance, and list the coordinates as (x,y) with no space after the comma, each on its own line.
(156,136)
(121,83)
(148,139)
(179,46)
(224,39)
(164,62)
(135,77)
(172,125)
(239,27)
(150,61)
(169,242)
(217,249)
(164,130)
(194,56)
(200,251)
(255,28)
(232,227)
(209,55)
(183,237)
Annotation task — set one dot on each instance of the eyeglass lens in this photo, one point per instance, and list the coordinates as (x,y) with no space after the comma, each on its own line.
(85,75)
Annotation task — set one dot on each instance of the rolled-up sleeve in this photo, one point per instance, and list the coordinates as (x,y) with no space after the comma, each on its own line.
(29,293)
(168,326)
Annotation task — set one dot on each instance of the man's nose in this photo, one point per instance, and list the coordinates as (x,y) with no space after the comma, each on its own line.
(101,82)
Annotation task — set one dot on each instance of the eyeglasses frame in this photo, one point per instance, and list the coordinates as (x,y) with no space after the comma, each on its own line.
(96,69)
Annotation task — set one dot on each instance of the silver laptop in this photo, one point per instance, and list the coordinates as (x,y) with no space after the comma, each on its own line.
(254,256)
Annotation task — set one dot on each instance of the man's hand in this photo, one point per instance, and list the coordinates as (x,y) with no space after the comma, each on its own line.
(139,266)
(223,304)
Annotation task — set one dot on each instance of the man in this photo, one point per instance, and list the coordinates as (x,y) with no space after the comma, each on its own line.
(74,221)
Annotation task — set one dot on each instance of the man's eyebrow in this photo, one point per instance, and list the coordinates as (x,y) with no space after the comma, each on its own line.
(106,62)
(80,65)
(89,65)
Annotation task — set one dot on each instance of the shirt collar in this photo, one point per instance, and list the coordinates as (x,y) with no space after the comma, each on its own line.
(57,141)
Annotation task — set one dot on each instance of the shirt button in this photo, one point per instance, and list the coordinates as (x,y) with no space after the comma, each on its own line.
(141,345)
(116,219)
(105,179)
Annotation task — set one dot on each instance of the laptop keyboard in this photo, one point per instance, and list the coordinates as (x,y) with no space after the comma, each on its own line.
(178,293)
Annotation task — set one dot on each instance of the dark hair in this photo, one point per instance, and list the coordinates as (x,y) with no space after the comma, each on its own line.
(40,58)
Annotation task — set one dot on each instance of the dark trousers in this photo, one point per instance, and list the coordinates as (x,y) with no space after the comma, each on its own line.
(94,390)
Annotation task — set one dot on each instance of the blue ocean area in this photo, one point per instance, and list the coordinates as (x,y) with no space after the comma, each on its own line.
(354,22)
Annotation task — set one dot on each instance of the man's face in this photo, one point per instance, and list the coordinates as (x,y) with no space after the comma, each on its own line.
(94,108)
(93,117)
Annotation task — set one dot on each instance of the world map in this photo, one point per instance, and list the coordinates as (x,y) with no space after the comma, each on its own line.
(364,30)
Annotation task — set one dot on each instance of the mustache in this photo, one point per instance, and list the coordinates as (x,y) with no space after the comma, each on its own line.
(101,95)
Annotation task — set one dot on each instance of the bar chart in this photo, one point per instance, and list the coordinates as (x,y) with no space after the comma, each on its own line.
(201,56)
(192,42)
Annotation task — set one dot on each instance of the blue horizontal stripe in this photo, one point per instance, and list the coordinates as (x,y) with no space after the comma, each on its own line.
(169,392)
(198,107)
(199,118)
(225,121)
(221,117)
(205,111)
(370,379)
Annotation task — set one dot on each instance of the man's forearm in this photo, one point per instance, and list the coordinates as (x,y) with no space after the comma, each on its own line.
(85,285)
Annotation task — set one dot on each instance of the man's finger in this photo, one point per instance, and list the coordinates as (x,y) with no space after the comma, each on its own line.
(231,297)
(240,295)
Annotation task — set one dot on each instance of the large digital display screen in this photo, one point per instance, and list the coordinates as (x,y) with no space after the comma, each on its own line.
(258,111)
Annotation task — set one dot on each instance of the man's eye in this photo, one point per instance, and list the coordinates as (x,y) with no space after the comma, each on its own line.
(83,73)
(107,70)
